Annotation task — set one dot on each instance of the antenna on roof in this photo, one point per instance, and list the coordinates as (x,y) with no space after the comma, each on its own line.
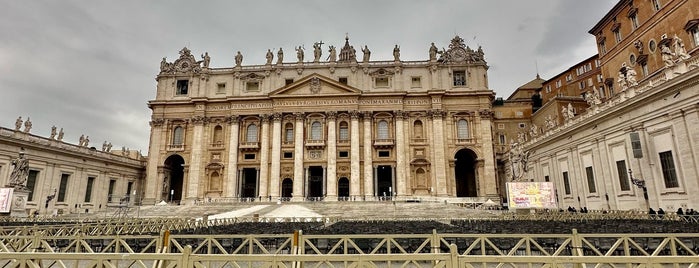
(536,63)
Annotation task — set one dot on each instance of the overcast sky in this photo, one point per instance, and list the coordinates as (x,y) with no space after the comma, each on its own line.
(89,66)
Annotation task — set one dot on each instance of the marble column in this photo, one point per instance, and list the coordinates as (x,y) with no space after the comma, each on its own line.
(297,194)
(368,158)
(276,155)
(264,157)
(354,152)
(486,141)
(400,182)
(331,175)
(153,180)
(438,152)
(231,181)
(195,160)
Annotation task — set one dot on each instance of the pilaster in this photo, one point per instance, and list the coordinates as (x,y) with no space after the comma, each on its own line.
(152,179)
(297,194)
(276,156)
(331,172)
(438,152)
(354,153)
(400,155)
(264,157)
(231,181)
(368,159)
(196,159)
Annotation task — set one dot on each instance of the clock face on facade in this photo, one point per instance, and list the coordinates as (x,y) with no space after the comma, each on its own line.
(458,54)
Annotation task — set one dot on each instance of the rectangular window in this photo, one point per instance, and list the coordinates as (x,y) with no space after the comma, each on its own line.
(253,86)
(128,188)
(344,154)
(384,154)
(623,176)
(62,188)
(342,80)
(344,133)
(590,180)
(289,136)
(634,21)
(288,81)
(617,36)
(88,189)
(415,81)
(459,78)
(31,183)
(667,163)
(695,36)
(602,48)
(381,81)
(656,5)
(288,155)
(547,179)
(644,70)
(182,87)
(570,77)
(566,183)
(581,85)
(110,191)
(220,88)
(249,156)
(502,139)
(548,88)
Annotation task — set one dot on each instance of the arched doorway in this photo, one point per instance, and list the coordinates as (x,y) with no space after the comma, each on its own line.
(287,187)
(343,187)
(172,185)
(465,173)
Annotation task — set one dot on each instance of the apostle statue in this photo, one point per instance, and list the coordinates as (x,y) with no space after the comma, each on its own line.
(367,54)
(396,53)
(18,123)
(27,125)
(433,52)
(333,54)
(206,60)
(280,56)
(238,59)
(269,56)
(317,51)
(60,135)
(299,54)
(53,133)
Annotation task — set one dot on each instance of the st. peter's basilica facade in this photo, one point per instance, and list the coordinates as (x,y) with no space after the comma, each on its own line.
(334,128)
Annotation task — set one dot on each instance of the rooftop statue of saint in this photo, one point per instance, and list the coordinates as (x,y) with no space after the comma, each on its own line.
(53,133)
(333,54)
(280,56)
(396,53)
(206,60)
(317,51)
(238,59)
(27,125)
(367,53)
(299,54)
(269,57)
(433,52)
(60,135)
(18,123)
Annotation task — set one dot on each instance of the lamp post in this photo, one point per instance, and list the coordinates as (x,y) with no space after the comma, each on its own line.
(641,184)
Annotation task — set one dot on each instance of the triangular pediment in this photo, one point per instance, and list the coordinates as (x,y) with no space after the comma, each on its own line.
(315,85)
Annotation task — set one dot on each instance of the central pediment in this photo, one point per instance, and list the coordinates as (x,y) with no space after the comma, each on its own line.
(315,85)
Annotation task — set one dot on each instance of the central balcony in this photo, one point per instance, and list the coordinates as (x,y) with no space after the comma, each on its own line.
(315,144)
(249,146)
(383,143)
(175,147)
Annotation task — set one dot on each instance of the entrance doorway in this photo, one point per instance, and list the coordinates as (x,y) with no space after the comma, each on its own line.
(465,173)
(174,178)
(249,187)
(343,187)
(287,187)
(384,181)
(315,181)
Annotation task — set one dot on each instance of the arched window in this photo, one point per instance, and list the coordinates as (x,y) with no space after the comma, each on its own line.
(462,129)
(178,136)
(417,129)
(289,132)
(382,130)
(316,131)
(344,131)
(251,133)
(218,135)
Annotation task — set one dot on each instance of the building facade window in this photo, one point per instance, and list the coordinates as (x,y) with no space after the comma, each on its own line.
(316,131)
(502,139)
(31,183)
(62,188)
(566,183)
(417,129)
(251,133)
(252,86)
(289,132)
(459,78)
(182,87)
(462,129)
(602,48)
(344,131)
(110,190)
(220,88)
(381,82)
(634,21)
(218,135)
(88,189)
(623,175)
(656,5)
(382,130)
(590,180)
(415,81)
(178,136)
(694,33)
(667,163)
(617,36)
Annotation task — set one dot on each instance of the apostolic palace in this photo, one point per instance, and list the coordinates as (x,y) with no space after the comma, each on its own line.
(324,128)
